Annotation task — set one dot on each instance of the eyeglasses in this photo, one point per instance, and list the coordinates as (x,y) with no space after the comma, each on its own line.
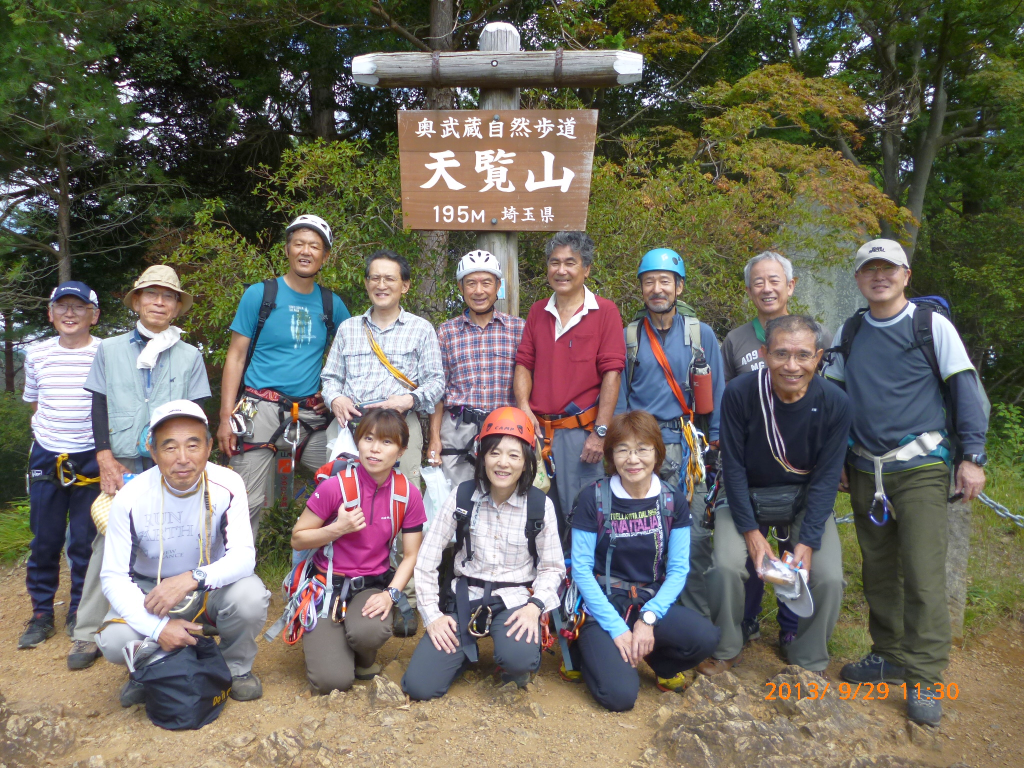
(168,296)
(382,279)
(643,452)
(79,310)
(888,270)
(782,356)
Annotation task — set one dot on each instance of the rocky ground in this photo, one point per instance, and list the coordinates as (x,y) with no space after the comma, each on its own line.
(51,716)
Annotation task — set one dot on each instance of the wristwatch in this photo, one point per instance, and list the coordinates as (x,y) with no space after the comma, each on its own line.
(200,576)
(981,459)
(538,602)
(649,617)
(601,430)
(394,594)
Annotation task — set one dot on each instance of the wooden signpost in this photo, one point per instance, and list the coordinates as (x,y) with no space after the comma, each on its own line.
(499,69)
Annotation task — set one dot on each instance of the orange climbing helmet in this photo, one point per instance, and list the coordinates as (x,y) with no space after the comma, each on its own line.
(508,421)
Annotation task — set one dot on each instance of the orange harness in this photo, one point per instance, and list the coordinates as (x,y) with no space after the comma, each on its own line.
(583,420)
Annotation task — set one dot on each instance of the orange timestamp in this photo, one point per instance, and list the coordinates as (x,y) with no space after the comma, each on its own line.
(846,691)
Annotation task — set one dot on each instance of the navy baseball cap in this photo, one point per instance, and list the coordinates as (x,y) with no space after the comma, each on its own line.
(76,289)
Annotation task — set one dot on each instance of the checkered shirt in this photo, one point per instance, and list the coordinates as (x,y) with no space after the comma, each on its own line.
(479,362)
(352,369)
(500,553)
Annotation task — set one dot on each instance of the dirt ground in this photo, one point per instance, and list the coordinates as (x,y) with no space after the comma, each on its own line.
(983,727)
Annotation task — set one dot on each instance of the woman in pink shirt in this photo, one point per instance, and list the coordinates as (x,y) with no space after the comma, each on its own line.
(354,542)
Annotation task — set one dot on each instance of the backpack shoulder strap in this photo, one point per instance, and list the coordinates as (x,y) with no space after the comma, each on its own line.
(399,501)
(924,339)
(536,500)
(327,297)
(349,482)
(844,343)
(463,517)
(693,332)
(267,305)
(632,346)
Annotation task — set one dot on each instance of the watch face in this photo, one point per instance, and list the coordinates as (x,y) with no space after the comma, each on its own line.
(199,575)
(649,618)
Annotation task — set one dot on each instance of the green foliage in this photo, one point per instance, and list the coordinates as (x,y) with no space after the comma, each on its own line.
(15,441)
(15,535)
(1006,434)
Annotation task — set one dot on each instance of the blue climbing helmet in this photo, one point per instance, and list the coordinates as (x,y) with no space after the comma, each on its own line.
(662,259)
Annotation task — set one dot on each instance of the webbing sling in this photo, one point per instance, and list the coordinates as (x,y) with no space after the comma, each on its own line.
(404,380)
(922,445)
(659,355)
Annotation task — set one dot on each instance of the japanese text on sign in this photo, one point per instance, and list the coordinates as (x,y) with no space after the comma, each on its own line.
(514,170)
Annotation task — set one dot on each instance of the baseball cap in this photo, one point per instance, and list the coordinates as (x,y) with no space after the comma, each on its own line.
(76,289)
(175,409)
(886,250)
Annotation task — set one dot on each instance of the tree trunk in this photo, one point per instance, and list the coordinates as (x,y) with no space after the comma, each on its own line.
(63,216)
(924,158)
(8,353)
(322,104)
(434,250)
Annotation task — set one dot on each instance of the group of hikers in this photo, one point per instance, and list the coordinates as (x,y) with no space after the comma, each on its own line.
(671,461)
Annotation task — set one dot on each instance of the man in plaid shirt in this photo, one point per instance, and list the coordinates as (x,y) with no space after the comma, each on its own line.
(478,352)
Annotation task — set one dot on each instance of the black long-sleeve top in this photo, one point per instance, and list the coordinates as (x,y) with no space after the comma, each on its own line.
(815,430)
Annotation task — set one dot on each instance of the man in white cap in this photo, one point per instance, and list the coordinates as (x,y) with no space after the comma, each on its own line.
(783,437)
(478,353)
(918,410)
(179,554)
(281,331)
(131,375)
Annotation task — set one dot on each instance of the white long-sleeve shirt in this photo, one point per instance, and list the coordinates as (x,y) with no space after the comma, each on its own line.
(148,515)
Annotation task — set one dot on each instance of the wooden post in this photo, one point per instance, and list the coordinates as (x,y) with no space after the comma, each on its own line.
(502,36)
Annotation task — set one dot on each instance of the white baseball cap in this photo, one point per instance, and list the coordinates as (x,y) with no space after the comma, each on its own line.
(886,250)
(798,597)
(174,409)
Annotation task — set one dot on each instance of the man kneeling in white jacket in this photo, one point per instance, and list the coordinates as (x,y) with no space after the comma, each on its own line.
(179,550)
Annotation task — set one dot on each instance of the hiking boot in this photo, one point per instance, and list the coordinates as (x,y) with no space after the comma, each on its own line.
(785,640)
(872,669)
(246,687)
(38,630)
(712,666)
(923,706)
(751,629)
(83,654)
(676,684)
(570,676)
(520,680)
(69,624)
(403,628)
(132,693)
(368,673)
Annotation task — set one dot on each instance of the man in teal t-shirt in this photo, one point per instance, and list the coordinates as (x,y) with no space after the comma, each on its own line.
(282,367)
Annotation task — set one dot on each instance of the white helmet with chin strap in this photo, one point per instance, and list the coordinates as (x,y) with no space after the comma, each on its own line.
(478,261)
(315,223)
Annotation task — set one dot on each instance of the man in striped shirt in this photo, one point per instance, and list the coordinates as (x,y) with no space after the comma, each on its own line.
(63,474)
(478,352)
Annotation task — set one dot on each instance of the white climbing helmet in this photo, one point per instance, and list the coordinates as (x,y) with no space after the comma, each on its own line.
(478,261)
(315,223)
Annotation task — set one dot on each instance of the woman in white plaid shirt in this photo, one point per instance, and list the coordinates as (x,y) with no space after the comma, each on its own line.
(494,568)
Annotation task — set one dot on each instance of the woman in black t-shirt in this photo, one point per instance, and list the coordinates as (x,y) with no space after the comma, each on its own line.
(631,555)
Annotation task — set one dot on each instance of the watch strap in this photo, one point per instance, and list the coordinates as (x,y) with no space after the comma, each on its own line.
(538,602)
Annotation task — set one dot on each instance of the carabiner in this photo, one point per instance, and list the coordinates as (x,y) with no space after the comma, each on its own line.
(886,510)
(475,618)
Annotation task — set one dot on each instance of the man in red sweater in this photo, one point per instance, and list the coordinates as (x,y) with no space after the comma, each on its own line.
(568,367)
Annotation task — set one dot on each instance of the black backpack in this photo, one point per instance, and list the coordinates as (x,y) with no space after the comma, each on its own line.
(535,503)
(268,305)
(927,307)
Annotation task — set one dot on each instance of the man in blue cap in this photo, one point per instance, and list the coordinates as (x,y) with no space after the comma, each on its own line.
(63,473)
(669,354)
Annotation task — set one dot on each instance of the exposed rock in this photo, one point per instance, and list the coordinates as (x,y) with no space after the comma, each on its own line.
(240,740)
(532,709)
(384,693)
(32,738)
(924,737)
(280,748)
(95,761)
(508,695)
(394,671)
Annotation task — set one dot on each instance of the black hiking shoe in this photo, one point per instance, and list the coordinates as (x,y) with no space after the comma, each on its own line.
(923,705)
(751,629)
(38,630)
(246,687)
(872,669)
(403,628)
(132,693)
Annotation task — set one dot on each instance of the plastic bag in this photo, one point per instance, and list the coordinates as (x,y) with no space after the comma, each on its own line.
(340,440)
(437,490)
(541,479)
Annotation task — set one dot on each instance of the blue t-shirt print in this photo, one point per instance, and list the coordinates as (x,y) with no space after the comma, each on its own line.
(289,355)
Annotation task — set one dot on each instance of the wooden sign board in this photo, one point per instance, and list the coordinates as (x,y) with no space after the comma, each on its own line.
(513,170)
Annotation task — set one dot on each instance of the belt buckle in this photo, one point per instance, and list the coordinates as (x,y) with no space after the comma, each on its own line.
(358,583)
(475,618)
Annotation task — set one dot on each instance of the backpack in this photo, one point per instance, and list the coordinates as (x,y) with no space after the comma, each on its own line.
(345,470)
(464,507)
(633,338)
(927,307)
(268,305)
(603,497)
